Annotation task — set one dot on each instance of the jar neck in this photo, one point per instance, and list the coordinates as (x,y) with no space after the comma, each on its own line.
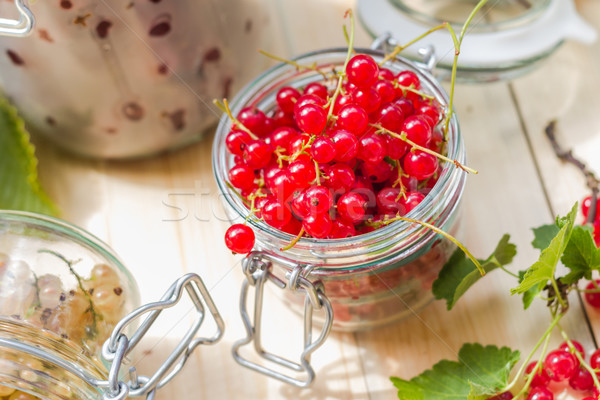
(25,363)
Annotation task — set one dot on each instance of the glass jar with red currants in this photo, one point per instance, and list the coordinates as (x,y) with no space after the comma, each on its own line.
(340,181)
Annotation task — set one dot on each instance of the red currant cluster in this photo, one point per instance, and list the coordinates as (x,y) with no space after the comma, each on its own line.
(560,365)
(585,209)
(336,157)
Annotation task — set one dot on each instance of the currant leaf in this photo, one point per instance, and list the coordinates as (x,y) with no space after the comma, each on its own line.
(20,189)
(581,255)
(543,269)
(532,293)
(543,235)
(480,373)
(460,273)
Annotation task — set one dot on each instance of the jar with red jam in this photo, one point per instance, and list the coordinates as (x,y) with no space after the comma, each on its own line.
(373,278)
(68,314)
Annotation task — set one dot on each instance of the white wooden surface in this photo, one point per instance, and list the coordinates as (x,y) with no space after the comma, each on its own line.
(163,217)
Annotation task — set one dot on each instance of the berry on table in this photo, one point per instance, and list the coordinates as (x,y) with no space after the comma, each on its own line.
(239,238)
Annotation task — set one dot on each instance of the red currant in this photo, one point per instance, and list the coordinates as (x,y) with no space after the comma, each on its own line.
(340,177)
(430,111)
(346,145)
(420,165)
(540,393)
(502,396)
(408,79)
(236,141)
(541,378)
(396,148)
(323,149)
(578,347)
(362,70)
(302,172)
(581,380)
(283,187)
(411,200)
(585,207)
(417,130)
(386,91)
(257,154)
(297,144)
(281,137)
(371,149)
(378,172)
(311,118)
(318,199)
(275,213)
(353,118)
(386,74)
(341,229)
(239,238)
(592,297)
(560,365)
(368,98)
(241,177)
(316,89)
(254,120)
(351,207)
(286,98)
(390,117)
(317,225)
(405,105)
(595,359)
(388,201)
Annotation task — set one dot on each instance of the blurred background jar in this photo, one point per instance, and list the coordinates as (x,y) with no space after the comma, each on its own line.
(113,79)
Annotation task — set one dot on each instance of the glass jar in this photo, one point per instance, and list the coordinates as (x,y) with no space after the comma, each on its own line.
(370,279)
(506,39)
(66,309)
(108,79)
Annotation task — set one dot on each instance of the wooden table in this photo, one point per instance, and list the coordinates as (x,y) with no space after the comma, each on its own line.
(164,218)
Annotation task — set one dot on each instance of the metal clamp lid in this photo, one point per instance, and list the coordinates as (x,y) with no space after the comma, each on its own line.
(257,268)
(21,27)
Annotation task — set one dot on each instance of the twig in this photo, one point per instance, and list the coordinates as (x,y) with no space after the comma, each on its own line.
(567,156)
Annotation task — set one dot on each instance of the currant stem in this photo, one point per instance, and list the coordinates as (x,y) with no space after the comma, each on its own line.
(558,296)
(295,64)
(441,232)
(580,358)
(503,268)
(338,88)
(317,173)
(425,149)
(398,49)
(294,241)
(545,337)
(225,108)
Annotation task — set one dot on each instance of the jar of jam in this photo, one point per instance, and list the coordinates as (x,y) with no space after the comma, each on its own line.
(68,314)
(360,282)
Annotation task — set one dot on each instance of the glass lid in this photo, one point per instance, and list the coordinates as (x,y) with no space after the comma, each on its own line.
(506,38)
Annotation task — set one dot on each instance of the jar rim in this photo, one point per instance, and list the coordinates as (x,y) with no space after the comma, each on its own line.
(78,235)
(450,176)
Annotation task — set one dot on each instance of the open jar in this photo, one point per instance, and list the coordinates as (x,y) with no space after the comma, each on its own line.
(362,281)
(67,311)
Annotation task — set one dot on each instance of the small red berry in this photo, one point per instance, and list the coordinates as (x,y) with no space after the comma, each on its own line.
(560,365)
(282,136)
(241,177)
(417,130)
(275,213)
(340,177)
(420,165)
(540,393)
(317,225)
(581,380)
(302,172)
(254,120)
(371,149)
(411,200)
(311,118)
(502,396)
(318,199)
(316,89)
(593,298)
(351,207)
(236,141)
(239,238)
(286,98)
(578,347)
(362,70)
(353,118)
(323,149)
(346,145)
(595,359)
(541,378)
(257,154)
(341,229)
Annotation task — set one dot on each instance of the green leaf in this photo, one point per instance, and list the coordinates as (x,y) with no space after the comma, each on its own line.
(543,269)
(459,273)
(581,255)
(543,235)
(20,189)
(532,293)
(479,373)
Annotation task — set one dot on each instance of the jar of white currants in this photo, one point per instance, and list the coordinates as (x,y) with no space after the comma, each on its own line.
(360,281)
(67,308)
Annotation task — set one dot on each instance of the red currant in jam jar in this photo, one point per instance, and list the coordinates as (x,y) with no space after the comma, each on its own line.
(324,171)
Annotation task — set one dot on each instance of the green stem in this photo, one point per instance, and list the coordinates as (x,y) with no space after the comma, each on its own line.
(545,337)
(558,296)
(225,108)
(342,73)
(294,241)
(295,64)
(441,232)
(95,314)
(580,358)
(503,268)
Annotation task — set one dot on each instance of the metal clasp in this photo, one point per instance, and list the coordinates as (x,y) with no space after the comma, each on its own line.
(116,348)
(386,43)
(20,27)
(257,268)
